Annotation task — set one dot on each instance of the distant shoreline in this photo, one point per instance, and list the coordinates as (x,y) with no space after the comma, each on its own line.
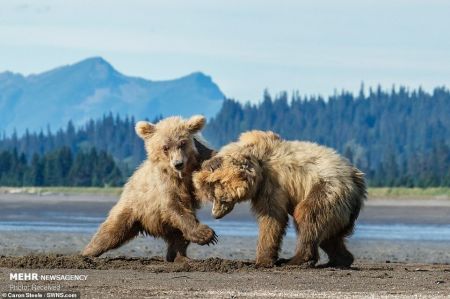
(442,193)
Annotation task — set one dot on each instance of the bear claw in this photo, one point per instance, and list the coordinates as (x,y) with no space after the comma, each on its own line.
(204,235)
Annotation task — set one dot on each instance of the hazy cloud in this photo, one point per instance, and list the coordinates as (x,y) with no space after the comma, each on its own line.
(32,7)
(246,46)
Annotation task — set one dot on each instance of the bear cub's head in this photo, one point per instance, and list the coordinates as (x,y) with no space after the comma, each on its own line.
(226,180)
(170,142)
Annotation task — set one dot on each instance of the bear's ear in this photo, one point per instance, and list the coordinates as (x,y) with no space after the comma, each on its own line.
(195,123)
(212,164)
(144,129)
(200,179)
(245,163)
(247,168)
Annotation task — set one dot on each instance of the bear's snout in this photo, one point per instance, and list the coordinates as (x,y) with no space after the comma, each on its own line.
(217,216)
(221,209)
(178,164)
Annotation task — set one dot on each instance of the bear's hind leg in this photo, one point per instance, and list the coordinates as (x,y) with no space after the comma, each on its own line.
(310,220)
(117,229)
(338,254)
(307,253)
(176,247)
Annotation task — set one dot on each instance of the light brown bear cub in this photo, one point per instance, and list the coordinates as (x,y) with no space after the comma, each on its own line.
(158,198)
(315,185)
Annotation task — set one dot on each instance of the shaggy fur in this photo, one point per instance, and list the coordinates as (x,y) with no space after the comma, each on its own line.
(315,185)
(158,198)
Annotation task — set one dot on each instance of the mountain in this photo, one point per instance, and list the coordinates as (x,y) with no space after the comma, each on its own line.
(92,88)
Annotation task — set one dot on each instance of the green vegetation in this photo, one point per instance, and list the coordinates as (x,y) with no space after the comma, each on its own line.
(63,190)
(410,192)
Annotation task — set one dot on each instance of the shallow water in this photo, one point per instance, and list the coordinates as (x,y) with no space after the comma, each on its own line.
(362,231)
(399,231)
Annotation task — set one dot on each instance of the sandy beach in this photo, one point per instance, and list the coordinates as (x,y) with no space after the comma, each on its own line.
(383,268)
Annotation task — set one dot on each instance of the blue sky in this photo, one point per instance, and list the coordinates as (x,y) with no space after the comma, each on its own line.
(246,46)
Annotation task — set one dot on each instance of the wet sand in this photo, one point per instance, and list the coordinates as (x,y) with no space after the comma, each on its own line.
(397,269)
(19,244)
(17,207)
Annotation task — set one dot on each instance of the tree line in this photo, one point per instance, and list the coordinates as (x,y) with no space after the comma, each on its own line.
(59,168)
(398,137)
(113,134)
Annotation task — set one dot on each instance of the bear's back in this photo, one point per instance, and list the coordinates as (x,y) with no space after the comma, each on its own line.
(321,159)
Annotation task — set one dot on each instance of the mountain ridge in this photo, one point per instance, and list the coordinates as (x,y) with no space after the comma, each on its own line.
(91,88)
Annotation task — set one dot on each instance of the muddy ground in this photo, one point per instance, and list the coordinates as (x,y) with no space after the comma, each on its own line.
(124,277)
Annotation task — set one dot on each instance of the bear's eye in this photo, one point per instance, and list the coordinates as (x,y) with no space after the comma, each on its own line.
(165,149)
(182,144)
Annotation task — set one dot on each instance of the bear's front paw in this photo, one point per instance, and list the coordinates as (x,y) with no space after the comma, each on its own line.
(203,235)
(264,263)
